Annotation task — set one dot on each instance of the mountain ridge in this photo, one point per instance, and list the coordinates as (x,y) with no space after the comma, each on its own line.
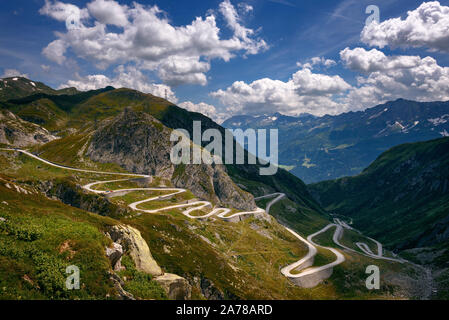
(322,148)
(84,111)
(407,178)
(20,87)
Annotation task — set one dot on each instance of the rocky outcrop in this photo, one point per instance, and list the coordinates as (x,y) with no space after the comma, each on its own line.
(313,279)
(136,141)
(114,255)
(211,182)
(129,240)
(68,192)
(19,133)
(118,285)
(132,242)
(176,287)
(141,144)
(209,290)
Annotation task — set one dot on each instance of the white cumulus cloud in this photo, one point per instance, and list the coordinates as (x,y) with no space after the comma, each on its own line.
(394,77)
(145,37)
(427,26)
(62,11)
(362,60)
(109,12)
(9,73)
(313,84)
(205,109)
(304,92)
(381,78)
(126,77)
(55,51)
(317,61)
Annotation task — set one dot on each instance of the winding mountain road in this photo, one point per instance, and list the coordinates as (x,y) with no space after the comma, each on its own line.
(301,272)
(221,213)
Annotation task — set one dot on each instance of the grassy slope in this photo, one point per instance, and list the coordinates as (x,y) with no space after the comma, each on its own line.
(256,271)
(21,87)
(32,257)
(402,200)
(84,109)
(241,260)
(403,189)
(168,230)
(43,112)
(55,224)
(95,106)
(348,279)
(51,109)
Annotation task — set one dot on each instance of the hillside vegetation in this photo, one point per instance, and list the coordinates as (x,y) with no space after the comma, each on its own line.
(402,198)
(124,131)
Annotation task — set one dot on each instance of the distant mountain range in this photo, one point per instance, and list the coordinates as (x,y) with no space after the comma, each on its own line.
(330,147)
(19,87)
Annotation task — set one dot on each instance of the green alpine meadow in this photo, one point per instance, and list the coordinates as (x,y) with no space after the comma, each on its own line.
(226,158)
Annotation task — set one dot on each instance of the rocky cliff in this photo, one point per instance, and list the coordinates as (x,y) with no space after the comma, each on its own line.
(141,144)
(20,133)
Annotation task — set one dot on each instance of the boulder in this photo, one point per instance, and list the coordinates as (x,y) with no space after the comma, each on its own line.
(115,256)
(176,287)
(131,241)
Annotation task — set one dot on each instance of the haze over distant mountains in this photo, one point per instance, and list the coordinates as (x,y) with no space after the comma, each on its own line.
(330,147)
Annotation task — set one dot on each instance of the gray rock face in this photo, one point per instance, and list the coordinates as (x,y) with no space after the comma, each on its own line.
(118,285)
(314,279)
(20,133)
(211,182)
(135,141)
(176,287)
(68,192)
(128,239)
(209,290)
(114,255)
(131,240)
(141,144)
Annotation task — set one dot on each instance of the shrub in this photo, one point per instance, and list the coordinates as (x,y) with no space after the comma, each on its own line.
(21,232)
(139,283)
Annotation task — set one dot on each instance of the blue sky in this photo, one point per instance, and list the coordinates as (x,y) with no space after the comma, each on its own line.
(265,63)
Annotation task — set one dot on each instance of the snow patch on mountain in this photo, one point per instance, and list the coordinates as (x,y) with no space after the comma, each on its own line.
(377,115)
(439,121)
